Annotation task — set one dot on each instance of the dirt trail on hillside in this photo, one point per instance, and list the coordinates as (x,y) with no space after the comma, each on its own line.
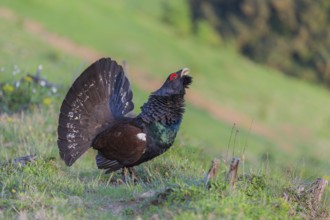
(143,81)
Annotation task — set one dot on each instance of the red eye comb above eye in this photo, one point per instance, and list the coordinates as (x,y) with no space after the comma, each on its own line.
(173,76)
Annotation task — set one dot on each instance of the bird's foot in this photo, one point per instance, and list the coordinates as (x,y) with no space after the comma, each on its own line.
(120,182)
(129,174)
(133,175)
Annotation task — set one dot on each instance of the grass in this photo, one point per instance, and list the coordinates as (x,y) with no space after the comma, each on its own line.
(47,189)
(174,182)
(214,141)
(293,109)
(18,47)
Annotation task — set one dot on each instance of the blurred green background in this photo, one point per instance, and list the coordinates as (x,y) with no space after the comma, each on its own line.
(260,92)
(281,118)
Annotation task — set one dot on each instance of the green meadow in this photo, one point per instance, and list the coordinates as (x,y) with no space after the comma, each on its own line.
(295,114)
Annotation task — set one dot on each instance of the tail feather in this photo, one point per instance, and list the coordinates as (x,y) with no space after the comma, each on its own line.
(98,97)
(121,95)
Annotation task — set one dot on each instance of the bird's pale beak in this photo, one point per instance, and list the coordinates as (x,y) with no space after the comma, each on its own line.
(184,72)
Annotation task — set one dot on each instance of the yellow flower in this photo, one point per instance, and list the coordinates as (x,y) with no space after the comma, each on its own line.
(8,88)
(10,119)
(47,101)
(13,191)
(28,78)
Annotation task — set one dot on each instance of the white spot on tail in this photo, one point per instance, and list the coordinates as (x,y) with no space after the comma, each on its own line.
(70,136)
(142,136)
(72,146)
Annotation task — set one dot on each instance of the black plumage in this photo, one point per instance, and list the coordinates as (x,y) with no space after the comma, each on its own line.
(95,113)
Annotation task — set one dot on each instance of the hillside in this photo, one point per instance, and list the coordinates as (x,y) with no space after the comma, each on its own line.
(297,119)
(245,90)
(292,36)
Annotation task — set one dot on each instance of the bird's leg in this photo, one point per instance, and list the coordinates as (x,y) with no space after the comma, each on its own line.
(133,175)
(125,174)
(129,171)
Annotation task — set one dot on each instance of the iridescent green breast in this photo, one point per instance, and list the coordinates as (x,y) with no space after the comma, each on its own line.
(163,135)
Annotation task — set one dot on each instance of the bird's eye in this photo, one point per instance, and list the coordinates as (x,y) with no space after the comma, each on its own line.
(173,76)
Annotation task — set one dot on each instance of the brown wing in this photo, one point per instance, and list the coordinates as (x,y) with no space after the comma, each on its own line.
(123,143)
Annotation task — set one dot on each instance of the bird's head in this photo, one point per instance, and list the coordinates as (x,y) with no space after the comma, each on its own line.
(175,84)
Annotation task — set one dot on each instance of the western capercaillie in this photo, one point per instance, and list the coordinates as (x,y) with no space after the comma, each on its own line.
(96,113)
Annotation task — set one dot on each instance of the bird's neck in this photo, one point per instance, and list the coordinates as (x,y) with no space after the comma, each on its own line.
(167,110)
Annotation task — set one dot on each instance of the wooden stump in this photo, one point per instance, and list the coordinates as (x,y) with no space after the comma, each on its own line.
(232,173)
(212,172)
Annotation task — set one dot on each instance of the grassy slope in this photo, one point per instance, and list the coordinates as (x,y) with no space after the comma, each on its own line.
(127,30)
(57,68)
(293,109)
(84,181)
(50,190)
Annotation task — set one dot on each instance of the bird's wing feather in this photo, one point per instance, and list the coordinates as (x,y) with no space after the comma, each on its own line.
(122,142)
(106,164)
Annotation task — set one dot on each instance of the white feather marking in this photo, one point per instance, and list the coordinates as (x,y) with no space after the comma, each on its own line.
(142,136)
(70,136)
(70,114)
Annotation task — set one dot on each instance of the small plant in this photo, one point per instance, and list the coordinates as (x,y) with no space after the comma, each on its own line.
(252,184)
(26,93)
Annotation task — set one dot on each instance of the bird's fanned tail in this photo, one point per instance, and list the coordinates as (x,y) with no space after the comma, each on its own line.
(99,96)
